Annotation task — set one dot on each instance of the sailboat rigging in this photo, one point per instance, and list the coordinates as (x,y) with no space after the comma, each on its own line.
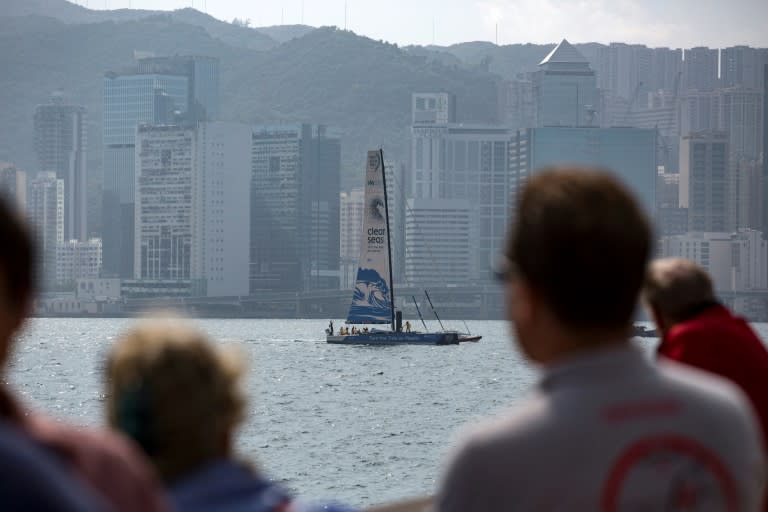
(373,299)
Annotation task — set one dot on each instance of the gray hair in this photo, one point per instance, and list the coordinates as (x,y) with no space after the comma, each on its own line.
(677,288)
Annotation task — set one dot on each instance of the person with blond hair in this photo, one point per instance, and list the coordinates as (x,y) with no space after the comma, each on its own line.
(179,397)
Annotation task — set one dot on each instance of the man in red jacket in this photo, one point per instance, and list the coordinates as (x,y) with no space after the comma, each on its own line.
(697,330)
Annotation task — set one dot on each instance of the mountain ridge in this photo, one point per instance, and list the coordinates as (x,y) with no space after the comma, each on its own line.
(359,86)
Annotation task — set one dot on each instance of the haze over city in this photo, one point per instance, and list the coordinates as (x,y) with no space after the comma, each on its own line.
(499,196)
(107,109)
(677,24)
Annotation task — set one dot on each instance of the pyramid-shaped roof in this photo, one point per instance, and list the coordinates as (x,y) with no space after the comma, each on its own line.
(564,53)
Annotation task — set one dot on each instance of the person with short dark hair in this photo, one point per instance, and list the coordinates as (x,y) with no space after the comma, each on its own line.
(697,330)
(106,461)
(605,429)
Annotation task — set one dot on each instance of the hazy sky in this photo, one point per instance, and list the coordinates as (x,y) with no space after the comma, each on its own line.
(675,23)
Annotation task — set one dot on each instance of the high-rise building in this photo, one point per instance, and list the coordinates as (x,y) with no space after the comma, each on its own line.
(742,66)
(667,189)
(396,194)
(158,90)
(700,69)
(202,81)
(441,247)
(735,111)
(630,153)
(295,184)
(736,261)
(627,74)
(741,117)
(45,206)
(666,69)
(764,152)
(704,187)
(670,218)
(433,108)
(746,194)
(166,172)
(565,89)
(664,120)
(60,144)
(224,158)
(516,103)
(78,260)
(699,111)
(351,206)
(738,113)
(457,161)
(129,100)
(13,186)
(191,193)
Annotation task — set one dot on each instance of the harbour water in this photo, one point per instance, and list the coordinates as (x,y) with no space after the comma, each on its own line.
(359,424)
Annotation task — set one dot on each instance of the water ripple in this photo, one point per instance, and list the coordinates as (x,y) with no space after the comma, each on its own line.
(359,424)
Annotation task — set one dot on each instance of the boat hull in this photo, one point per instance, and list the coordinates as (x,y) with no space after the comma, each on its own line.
(396,338)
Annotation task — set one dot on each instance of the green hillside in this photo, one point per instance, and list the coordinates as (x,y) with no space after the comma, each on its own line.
(358,86)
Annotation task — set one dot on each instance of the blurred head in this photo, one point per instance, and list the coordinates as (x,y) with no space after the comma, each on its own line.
(17,269)
(675,290)
(175,394)
(575,261)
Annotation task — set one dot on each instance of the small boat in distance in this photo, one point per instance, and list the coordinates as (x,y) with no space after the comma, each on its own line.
(373,300)
(640,331)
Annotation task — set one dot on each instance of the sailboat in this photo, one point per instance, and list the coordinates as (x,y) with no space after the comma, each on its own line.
(373,299)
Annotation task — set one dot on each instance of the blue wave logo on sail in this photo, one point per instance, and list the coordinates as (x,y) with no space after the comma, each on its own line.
(371,300)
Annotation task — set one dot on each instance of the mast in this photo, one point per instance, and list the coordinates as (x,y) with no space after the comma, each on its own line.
(389,237)
(419,312)
(433,310)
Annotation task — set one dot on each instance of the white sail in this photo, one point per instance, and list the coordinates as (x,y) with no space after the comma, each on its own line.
(372,299)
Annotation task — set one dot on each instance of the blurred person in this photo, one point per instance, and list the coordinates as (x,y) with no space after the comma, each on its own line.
(179,398)
(605,429)
(697,330)
(31,480)
(107,462)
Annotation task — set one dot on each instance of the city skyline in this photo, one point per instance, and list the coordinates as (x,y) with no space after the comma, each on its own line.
(482,120)
(446,22)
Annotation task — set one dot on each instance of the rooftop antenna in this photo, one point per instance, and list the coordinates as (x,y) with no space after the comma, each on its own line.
(345,15)
(497,34)
(282,15)
(433,31)
(302,12)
